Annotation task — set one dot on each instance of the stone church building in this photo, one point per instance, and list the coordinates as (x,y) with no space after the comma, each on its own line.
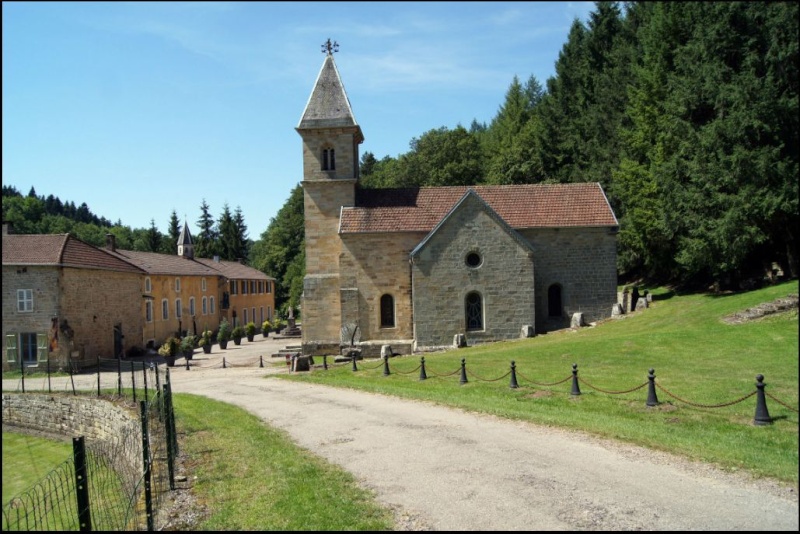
(414,268)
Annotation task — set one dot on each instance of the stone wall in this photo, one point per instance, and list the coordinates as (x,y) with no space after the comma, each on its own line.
(442,279)
(96,419)
(583,261)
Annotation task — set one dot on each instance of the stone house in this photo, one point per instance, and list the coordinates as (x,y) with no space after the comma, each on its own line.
(186,294)
(413,268)
(66,301)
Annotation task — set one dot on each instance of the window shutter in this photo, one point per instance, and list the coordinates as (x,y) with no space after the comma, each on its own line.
(42,347)
(11,348)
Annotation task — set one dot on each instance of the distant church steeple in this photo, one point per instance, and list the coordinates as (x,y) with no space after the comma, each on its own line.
(185,245)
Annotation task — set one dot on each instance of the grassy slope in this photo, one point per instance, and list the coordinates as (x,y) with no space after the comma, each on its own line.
(704,370)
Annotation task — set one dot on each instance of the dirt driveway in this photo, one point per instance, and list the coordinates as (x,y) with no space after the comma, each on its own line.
(444,469)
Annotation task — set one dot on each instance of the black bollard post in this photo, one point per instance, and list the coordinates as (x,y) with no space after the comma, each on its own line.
(386,366)
(575,389)
(513,384)
(353,355)
(325,362)
(652,400)
(261,360)
(223,363)
(463,371)
(422,374)
(762,414)
(187,363)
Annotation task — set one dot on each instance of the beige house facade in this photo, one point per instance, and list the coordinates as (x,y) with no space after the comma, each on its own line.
(417,268)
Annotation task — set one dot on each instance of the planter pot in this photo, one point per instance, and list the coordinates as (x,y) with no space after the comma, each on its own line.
(188,354)
(265,334)
(237,341)
(170,360)
(223,344)
(250,337)
(207,349)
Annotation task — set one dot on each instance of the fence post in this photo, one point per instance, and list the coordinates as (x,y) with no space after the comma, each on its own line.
(98,376)
(81,484)
(133,383)
(119,377)
(575,389)
(148,490)
(354,361)
(652,400)
(49,389)
(513,383)
(223,363)
(325,362)
(261,360)
(386,365)
(463,371)
(422,375)
(170,431)
(144,378)
(187,362)
(762,414)
(22,370)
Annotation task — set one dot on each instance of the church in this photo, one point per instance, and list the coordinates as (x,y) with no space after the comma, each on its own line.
(418,268)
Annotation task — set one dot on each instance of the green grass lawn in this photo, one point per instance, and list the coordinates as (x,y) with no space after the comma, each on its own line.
(252,477)
(33,458)
(704,369)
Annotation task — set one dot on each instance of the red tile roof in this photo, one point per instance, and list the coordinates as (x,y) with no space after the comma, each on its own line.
(59,250)
(521,206)
(234,269)
(170,264)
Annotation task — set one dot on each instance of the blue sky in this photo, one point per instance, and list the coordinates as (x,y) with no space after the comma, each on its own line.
(139,108)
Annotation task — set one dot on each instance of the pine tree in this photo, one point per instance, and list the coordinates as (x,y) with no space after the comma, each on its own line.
(206,245)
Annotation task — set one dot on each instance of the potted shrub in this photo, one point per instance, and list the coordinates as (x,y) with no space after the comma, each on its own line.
(250,330)
(206,341)
(224,334)
(237,334)
(265,326)
(187,345)
(278,325)
(169,350)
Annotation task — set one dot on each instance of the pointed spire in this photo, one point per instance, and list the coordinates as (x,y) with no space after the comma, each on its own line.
(185,245)
(328,105)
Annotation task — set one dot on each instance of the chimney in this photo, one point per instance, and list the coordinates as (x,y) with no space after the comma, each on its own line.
(111,242)
(216,258)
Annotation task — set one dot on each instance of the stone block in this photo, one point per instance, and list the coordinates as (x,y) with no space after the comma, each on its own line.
(577,320)
(527,331)
(459,341)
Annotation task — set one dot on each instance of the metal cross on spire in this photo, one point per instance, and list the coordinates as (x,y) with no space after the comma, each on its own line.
(330,47)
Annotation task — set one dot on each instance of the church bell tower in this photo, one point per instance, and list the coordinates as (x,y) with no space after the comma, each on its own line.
(330,137)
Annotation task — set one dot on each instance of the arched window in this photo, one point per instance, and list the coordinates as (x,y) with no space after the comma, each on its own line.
(554,300)
(387,311)
(328,159)
(473,308)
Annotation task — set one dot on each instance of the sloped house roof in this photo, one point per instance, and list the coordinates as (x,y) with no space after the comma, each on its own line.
(520,206)
(60,250)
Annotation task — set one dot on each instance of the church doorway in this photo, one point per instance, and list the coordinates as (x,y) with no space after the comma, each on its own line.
(554,301)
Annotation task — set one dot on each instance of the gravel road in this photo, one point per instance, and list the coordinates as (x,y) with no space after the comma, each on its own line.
(445,469)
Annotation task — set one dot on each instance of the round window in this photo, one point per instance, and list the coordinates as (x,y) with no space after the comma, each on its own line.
(473,260)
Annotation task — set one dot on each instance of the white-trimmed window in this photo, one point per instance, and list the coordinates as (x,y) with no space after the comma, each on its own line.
(253,315)
(164,310)
(191,306)
(244,287)
(148,284)
(203,284)
(234,285)
(245,316)
(178,308)
(205,305)
(24,300)
(177,285)
(148,311)
(261,310)
(211,305)
(269,286)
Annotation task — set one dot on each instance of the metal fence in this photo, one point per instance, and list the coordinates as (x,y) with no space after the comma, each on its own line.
(103,486)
